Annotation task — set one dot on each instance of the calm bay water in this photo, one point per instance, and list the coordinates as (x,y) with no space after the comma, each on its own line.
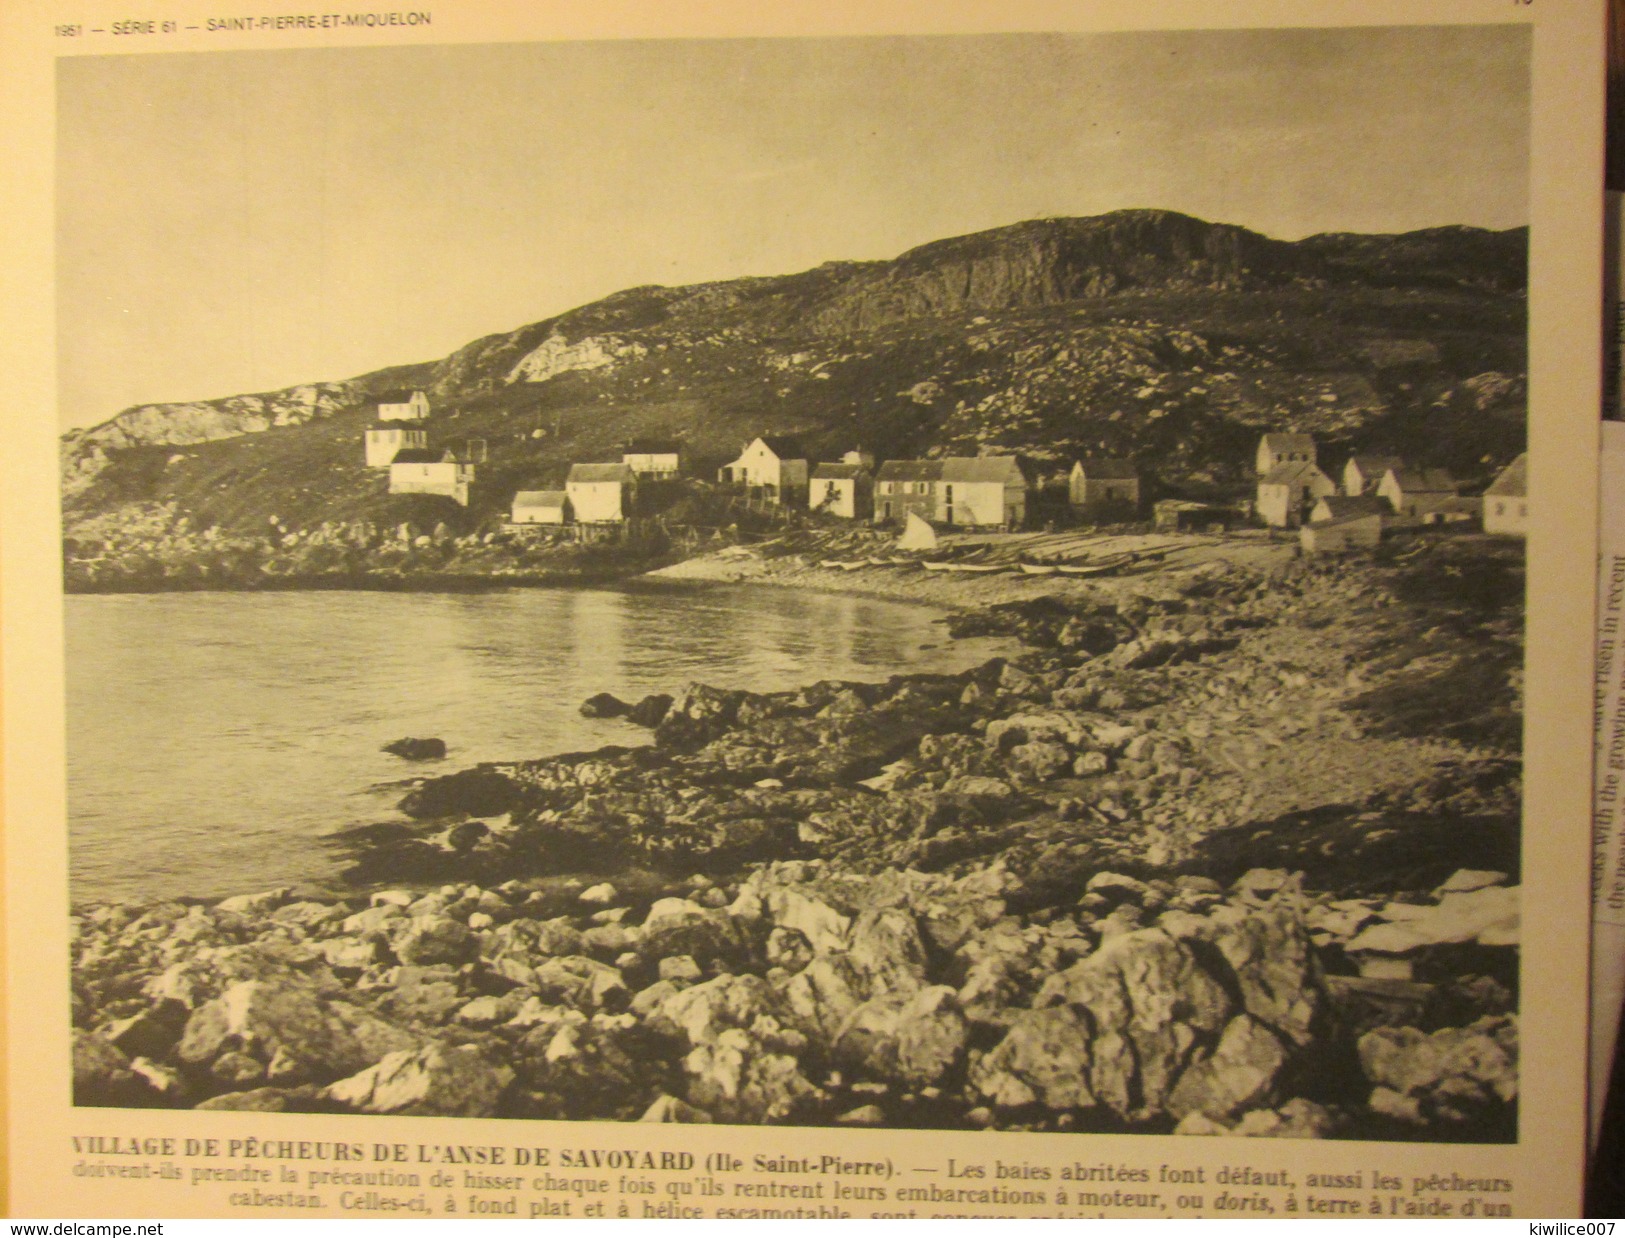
(213,738)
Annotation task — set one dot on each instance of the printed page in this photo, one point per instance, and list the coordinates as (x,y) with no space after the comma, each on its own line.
(990,608)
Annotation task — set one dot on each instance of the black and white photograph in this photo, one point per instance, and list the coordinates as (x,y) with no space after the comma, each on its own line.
(967,582)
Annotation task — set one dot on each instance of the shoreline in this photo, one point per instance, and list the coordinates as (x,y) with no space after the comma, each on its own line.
(910,902)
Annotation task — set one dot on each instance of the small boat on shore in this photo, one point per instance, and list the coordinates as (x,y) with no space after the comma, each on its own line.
(1039,569)
(980,569)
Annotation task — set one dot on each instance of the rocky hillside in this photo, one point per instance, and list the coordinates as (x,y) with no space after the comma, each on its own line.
(1140,333)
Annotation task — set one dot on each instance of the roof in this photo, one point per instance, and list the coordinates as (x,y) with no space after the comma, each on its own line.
(1107,470)
(401,395)
(395,427)
(1376,466)
(1512,481)
(1348,518)
(418,455)
(982,468)
(1425,481)
(540,498)
(1347,506)
(1287,441)
(1288,473)
(782,446)
(653,447)
(1185,505)
(599,472)
(839,472)
(910,470)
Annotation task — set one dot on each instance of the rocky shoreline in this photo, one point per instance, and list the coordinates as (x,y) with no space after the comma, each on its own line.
(1227,850)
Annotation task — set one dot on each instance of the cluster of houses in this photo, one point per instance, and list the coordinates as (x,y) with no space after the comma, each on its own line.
(398,440)
(1374,493)
(1293,492)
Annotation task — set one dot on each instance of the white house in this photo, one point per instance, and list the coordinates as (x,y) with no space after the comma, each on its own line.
(771,467)
(982,490)
(1359,531)
(657,458)
(1418,494)
(416,471)
(541,507)
(845,490)
(601,493)
(385,441)
(1364,473)
(1347,506)
(403,405)
(1506,501)
(1276,449)
(1287,491)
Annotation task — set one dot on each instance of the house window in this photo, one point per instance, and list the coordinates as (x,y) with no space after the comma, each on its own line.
(1500,508)
(1523,509)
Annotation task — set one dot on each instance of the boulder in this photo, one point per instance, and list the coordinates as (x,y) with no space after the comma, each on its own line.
(740,1080)
(436,939)
(1454,1075)
(435,1081)
(101,1074)
(670,1109)
(650,710)
(1043,1059)
(915,1039)
(286,1027)
(604,705)
(417,749)
(1244,1072)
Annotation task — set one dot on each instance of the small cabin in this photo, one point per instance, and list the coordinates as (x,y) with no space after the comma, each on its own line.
(1288,491)
(541,507)
(1506,501)
(385,442)
(431,472)
(1345,506)
(1357,532)
(1104,485)
(1276,449)
(844,490)
(403,405)
(770,467)
(601,493)
(1188,516)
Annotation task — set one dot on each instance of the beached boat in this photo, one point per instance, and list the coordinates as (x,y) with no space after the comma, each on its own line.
(1040,569)
(937,565)
(978,568)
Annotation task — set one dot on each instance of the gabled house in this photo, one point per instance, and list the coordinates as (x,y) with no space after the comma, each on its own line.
(982,490)
(403,405)
(1364,473)
(770,467)
(384,442)
(1418,494)
(1288,491)
(1278,448)
(417,471)
(601,493)
(845,490)
(657,458)
(541,507)
(1506,501)
(1104,485)
(1344,506)
(904,487)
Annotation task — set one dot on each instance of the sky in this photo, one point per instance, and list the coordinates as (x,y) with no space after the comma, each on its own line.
(237,222)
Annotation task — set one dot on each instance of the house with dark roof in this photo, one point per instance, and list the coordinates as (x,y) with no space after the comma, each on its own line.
(1343,506)
(422,471)
(1363,474)
(403,405)
(1099,485)
(844,490)
(601,493)
(985,491)
(1419,495)
(1506,500)
(1288,491)
(1278,448)
(771,467)
(653,457)
(904,487)
(385,441)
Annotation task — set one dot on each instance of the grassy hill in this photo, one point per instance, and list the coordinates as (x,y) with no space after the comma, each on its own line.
(1143,334)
